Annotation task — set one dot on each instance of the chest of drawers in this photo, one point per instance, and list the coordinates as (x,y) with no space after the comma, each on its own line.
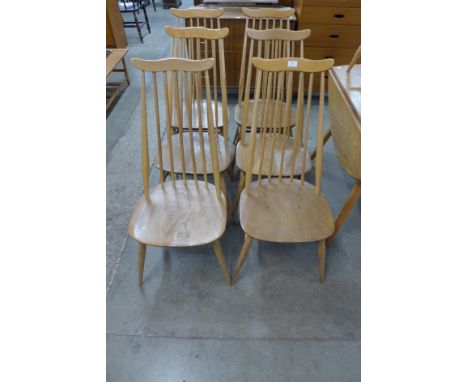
(335,28)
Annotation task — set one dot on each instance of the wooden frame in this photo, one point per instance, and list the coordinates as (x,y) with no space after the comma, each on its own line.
(283,208)
(269,43)
(200,205)
(201,43)
(115,88)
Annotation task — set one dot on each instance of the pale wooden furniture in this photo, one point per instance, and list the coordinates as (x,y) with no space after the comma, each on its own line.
(283,208)
(271,43)
(234,19)
(344,103)
(274,47)
(356,57)
(199,17)
(113,89)
(335,27)
(178,212)
(201,43)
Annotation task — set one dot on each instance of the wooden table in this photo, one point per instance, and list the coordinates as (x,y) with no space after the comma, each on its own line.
(113,89)
(344,102)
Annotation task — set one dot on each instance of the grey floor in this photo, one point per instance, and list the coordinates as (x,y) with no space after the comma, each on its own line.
(278,323)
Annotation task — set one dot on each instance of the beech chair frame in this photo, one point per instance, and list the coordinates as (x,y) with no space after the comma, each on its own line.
(269,44)
(283,208)
(179,212)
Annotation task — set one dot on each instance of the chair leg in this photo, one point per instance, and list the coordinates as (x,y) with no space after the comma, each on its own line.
(154,6)
(137,24)
(141,262)
(321,255)
(243,254)
(146,19)
(326,137)
(222,262)
(353,197)
(240,187)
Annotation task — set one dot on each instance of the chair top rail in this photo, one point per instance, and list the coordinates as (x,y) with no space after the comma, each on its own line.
(293,64)
(203,13)
(277,34)
(197,32)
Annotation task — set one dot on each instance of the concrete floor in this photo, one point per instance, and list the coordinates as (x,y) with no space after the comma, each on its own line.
(278,323)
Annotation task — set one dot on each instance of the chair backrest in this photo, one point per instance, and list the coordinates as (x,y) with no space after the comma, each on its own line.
(199,17)
(197,43)
(270,44)
(261,18)
(192,72)
(289,70)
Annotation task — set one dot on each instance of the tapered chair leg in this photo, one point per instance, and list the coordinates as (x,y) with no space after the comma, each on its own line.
(240,187)
(141,262)
(222,262)
(321,255)
(326,137)
(243,255)
(353,197)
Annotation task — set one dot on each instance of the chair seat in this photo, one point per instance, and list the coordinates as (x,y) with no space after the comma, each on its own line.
(225,154)
(179,216)
(239,109)
(129,6)
(288,166)
(284,211)
(218,125)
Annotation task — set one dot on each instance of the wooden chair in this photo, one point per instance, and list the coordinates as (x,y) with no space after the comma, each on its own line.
(270,43)
(134,7)
(285,209)
(198,17)
(258,19)
(201,43)
(179,212)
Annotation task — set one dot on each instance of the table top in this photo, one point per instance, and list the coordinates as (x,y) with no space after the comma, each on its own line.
(350,84)
(114,58)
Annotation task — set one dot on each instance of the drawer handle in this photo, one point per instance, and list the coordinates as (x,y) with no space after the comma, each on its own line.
(338,16)
(329,57)
(334,36)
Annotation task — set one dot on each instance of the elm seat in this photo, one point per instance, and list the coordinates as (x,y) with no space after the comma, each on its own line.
(304,216)
(242,149)
(225,154)
(179,216)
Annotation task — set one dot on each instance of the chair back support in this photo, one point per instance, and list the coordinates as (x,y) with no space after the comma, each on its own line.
(197,43)
(199,17)
(270,44)
(289,70)
(178,99)
(261,18)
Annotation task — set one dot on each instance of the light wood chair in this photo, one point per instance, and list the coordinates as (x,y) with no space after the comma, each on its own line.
(179,212)
(201,43)
(259,19)
(356,57)
(285,209)
(270,43)
(198,17)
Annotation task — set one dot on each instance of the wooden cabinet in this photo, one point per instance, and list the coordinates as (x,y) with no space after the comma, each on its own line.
(335,27)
